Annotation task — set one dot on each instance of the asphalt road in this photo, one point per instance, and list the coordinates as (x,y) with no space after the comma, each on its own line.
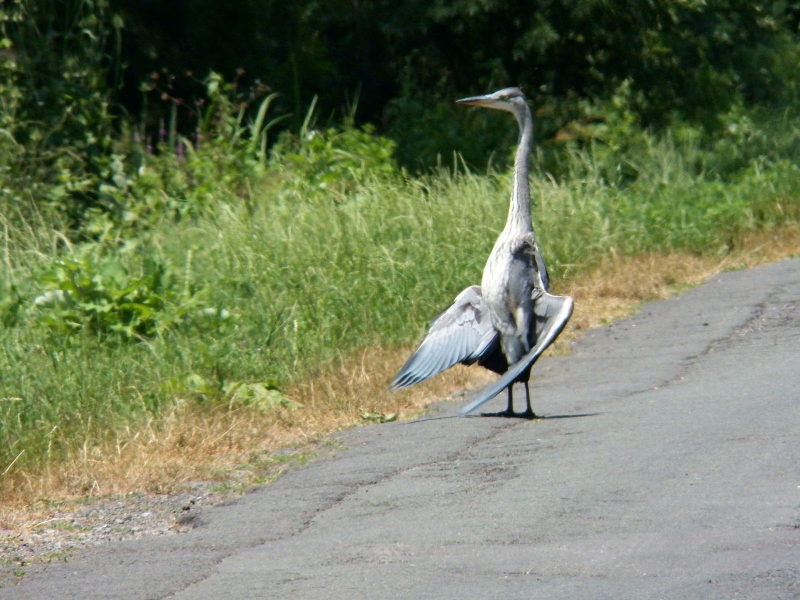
(668,467)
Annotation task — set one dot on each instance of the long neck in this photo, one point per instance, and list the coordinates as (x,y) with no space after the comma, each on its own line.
(519,212)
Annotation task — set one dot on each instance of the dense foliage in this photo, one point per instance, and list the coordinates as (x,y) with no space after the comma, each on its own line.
(692,59)
(402,63)
(687,54)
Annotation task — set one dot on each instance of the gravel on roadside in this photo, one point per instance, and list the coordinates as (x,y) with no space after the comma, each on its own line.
(91,522)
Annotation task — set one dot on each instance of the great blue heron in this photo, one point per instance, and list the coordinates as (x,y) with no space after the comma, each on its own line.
(507,322)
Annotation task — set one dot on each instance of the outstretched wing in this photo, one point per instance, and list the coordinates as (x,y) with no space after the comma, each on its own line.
(461,334)
(552,314)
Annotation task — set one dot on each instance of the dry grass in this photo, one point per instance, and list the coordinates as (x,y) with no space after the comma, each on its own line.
(618,286)
(236,447)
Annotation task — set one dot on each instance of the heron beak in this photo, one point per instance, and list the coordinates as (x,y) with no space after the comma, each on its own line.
(486,101)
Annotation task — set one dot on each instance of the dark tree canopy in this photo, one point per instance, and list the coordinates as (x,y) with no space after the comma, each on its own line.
(680,51)
(690,59)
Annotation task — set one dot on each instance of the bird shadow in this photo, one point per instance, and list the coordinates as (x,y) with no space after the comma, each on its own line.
(578,416)
(504,416)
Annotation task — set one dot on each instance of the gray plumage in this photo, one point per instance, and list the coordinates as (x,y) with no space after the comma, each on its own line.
(507,322)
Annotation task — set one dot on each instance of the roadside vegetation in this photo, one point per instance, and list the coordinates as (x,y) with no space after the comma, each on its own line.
(239,285)
(175,303)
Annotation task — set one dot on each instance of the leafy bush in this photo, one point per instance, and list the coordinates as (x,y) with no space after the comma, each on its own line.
(332,162)
(58,142)
(95,290)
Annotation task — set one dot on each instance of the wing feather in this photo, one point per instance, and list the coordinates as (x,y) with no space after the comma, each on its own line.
(462,333)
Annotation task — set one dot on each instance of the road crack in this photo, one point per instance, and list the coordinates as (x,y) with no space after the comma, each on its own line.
(351,491)
(786,314)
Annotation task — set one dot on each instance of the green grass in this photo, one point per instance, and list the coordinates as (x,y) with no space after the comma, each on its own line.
(267,273)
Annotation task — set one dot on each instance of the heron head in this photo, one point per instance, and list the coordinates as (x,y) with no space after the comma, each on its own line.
(509,99)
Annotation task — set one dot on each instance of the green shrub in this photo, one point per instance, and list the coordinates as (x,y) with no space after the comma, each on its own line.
(332,163)
(56,124)
(94,289)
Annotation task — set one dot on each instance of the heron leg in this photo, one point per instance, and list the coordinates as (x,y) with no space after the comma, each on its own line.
(509,411)
(528,414)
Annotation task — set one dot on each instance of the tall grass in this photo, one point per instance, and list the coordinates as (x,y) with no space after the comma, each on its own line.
(262,291)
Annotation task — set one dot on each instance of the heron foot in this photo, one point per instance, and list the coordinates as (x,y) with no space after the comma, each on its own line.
(510,414)
(530,415)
